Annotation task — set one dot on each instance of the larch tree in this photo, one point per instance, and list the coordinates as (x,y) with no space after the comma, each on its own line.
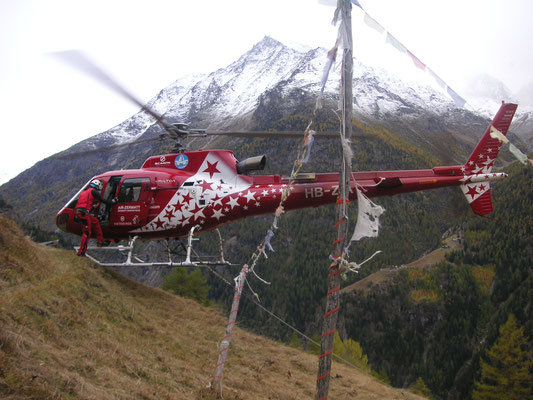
(507,370)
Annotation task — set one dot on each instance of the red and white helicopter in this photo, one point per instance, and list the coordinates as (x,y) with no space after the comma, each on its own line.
(186,193)
(174,195)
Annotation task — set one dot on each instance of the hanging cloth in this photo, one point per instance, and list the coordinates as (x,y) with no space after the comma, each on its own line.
(367,217)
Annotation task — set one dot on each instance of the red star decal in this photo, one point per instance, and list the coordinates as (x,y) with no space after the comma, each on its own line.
(472,191)
(178,206)
(159,223)
(169,215)
(187,198)
(211,169)
(481,187)
(196,209)
(206,185)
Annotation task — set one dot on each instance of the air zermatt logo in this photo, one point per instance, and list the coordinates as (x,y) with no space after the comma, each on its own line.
(181,161)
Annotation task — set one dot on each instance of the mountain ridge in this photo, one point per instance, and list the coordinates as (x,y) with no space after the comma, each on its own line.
(219,99)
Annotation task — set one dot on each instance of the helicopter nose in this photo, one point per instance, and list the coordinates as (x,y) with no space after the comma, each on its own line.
(61,221)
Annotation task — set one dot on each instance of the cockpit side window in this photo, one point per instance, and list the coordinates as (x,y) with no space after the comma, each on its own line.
(134,189)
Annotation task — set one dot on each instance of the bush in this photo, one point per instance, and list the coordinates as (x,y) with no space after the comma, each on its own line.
(192,285)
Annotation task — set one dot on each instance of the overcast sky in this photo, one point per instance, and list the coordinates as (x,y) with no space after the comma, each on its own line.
(47,107)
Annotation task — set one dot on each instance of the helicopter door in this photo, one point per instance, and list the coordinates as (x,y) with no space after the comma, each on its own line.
(133,204)
(109,193)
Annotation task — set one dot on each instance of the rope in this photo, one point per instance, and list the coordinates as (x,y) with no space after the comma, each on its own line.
(294,329)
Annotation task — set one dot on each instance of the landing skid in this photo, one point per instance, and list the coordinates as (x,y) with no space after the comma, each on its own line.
(133,261)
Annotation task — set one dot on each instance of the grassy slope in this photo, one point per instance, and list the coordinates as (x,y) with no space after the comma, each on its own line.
(387,275)
(70,330)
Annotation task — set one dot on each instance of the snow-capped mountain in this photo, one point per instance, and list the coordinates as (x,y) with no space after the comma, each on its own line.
(485,93)
(272,72)
(525,96)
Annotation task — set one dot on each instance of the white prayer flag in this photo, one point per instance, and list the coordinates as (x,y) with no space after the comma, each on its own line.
(367,217)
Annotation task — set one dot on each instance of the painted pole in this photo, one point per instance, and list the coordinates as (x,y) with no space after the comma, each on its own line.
(224,346)
(332,301)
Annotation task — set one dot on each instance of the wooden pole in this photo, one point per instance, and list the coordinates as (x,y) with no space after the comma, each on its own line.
(332,300)
(224,346)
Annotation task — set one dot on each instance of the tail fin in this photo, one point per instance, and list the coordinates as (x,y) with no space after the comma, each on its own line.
(482,159)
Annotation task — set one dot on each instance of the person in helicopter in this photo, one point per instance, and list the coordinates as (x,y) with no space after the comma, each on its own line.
(88,200)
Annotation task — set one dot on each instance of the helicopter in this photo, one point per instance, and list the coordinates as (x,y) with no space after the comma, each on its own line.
(184,193)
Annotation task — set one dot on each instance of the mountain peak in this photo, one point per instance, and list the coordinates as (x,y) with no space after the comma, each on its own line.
(268,41)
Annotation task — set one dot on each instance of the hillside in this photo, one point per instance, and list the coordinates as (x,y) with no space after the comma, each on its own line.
(69,329)
(435,257)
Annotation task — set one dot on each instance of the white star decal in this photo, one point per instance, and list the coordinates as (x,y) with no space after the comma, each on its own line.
(249,196)
(218,214)
(199,214)
(233,202)
(488,160)
(264,192)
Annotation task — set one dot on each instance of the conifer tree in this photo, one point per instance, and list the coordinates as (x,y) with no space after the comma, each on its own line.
(507,372)
(314,346)
(350,351)
(192,285)
(419,387)
(295,341)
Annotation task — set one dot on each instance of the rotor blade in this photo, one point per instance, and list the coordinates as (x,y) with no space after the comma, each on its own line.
(78,154)
(271,134)
(80,61)
(242,134)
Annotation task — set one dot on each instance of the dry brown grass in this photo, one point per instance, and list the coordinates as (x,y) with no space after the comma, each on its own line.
(438,255)
(71,330)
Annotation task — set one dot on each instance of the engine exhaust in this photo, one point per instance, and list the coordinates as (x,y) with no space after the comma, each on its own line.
(251,164)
